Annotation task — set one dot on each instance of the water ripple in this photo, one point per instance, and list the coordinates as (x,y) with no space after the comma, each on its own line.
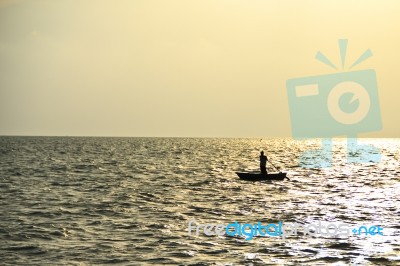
(129,201)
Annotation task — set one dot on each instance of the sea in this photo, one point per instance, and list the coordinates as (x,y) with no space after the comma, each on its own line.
(139,201)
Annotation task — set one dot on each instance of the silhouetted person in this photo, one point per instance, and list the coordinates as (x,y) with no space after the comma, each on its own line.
(263,163)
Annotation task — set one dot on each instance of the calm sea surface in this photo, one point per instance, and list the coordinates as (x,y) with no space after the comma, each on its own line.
(85,201)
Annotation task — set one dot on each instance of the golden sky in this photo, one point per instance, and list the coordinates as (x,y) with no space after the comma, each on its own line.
(194,68)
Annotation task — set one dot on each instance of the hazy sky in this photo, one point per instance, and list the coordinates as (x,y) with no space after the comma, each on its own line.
(181,67)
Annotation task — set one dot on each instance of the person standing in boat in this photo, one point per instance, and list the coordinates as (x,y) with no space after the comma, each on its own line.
(263,163)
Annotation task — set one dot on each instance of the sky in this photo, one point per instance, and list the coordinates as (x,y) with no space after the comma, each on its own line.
(182,68)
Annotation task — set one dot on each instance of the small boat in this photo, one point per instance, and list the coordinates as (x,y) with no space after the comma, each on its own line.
(257,176)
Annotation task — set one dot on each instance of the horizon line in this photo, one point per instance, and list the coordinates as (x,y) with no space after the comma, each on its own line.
(190,137)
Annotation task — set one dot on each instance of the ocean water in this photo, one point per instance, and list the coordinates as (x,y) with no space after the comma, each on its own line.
(128,201)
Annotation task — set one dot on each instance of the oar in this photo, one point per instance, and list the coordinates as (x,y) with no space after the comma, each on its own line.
(277,169)
(273,165)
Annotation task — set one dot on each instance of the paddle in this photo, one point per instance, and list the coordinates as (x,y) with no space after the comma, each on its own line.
(273,165)
(277,169)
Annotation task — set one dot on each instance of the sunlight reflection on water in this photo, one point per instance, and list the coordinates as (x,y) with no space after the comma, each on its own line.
(119,200)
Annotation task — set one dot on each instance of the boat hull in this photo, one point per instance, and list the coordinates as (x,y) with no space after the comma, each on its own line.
(260,177)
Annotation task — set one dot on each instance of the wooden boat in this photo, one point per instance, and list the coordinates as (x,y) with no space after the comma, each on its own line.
(257,176)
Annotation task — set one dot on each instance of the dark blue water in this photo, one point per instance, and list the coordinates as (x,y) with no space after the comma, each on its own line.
(84,201)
